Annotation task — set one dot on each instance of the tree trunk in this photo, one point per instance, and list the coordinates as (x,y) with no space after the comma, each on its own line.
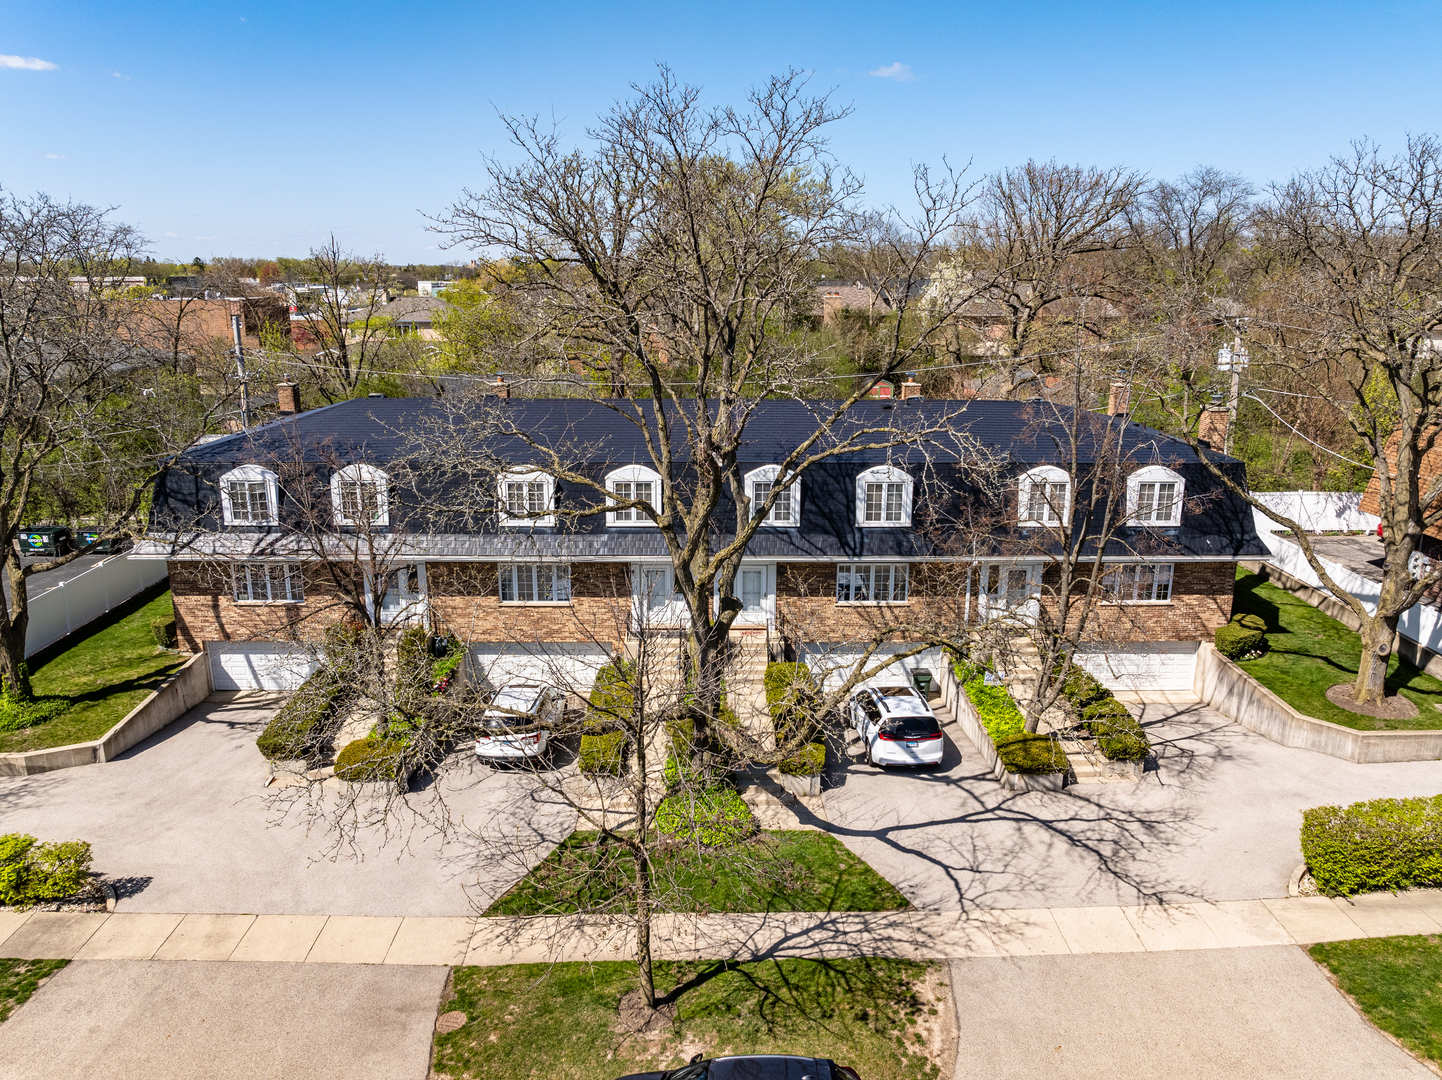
(1377,636)
(14,622)
(644,969)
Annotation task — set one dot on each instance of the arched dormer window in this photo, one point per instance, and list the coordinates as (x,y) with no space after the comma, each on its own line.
(1154,497)
(883,497)
(1043,496)
(360,496)
(527,498)
(635,483)
(250,495)
(786,510)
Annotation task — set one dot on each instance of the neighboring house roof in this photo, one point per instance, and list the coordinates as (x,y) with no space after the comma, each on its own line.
(596,436)
(410,310)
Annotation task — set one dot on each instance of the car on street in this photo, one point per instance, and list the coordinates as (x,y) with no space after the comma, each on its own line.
(518,721)
(896,725)
(754,1067)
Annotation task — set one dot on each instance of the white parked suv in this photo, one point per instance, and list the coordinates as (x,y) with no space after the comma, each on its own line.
(518,721)
(896,726)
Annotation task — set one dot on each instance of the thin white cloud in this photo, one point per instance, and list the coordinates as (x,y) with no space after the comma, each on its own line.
(171,235)
(54,157)
(118,75)
(26,63)
(896,71)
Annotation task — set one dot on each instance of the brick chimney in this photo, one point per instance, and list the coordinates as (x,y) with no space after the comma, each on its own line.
(1212,427)
(910,388)
(1119,401)
(287,397)
(500,386)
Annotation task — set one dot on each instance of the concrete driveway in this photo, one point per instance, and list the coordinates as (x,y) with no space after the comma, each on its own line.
(1203,1015)
(185,824)
(152,1020)
(1216,820)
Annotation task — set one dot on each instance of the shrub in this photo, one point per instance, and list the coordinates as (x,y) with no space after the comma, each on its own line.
(301,728)
(603,753)
(444,668)
(810,760)
(613,696)
(1250,621)
(1384,844)
(162,629)
(1020,751)
(1118,734)
(413,664)
(16,715)
(791,695)
(712,817)
(1235,641)
(34,873)
(1082,688)
(371,758)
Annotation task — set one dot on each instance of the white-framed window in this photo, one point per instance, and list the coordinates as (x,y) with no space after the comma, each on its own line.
(250,495)
(1154,496)
(872,583)
(527,498)
(267,583)
(1139,583)
(883,497)
(786,510)
(636,483)
(360,495)
(1044,496)
(535,583)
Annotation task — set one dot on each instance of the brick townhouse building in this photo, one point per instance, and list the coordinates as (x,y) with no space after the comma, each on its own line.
(270,532)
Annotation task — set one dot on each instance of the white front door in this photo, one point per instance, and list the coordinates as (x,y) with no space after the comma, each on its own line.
(654,597)
(1010,590)
(756,589)
(403,594)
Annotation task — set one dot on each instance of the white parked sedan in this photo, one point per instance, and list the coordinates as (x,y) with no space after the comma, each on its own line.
(518,721)
(896,726)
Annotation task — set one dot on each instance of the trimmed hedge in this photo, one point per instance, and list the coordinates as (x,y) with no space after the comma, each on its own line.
(1250,621)
(1119,735)
(1236,640)
(36,873)
(413,664)
(162,629)
(603,753)
(301,728)
(712,817)
(1020,751)
(791,699)
(613,696)
(1384,844)
(371,758)
(810,760)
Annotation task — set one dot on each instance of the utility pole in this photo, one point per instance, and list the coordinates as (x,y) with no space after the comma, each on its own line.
(235,314)
(1234,359)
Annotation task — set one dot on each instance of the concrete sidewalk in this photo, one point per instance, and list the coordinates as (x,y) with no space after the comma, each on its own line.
(920,934)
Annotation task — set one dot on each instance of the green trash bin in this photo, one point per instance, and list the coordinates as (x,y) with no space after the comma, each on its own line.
(921,679)
(45,540)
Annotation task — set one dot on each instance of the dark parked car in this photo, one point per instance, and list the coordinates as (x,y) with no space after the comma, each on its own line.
(754,1067)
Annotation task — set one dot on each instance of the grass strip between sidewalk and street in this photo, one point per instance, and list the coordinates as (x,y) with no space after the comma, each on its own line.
(784,870)
(21,978)
(887,1019)
(1396,982)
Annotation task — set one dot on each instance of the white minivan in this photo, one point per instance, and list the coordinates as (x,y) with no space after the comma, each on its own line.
(518,721)
(896,726)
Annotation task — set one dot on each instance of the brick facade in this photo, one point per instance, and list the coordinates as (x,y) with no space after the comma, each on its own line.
(206,611)
(1201,601)
(465,601)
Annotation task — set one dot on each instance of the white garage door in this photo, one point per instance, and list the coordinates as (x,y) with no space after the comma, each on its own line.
(257,665)
(835,662)
(1162,665)
(569,666)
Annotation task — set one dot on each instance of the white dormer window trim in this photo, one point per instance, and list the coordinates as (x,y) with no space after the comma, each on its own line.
(785,513)
(357,487)
(629,482)
(526,498)
(1154,497)
(883,498)
(250,495)
(1039,503)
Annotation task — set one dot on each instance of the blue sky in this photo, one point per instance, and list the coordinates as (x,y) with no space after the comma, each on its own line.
(259,128)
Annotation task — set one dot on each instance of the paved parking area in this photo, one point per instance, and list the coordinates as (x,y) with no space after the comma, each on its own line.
(185,824)
(145,1020)
(1216,820)
(1211,1015)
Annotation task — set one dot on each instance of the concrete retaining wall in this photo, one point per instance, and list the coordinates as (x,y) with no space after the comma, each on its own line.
(1230,690)
(186,689)
(961,708)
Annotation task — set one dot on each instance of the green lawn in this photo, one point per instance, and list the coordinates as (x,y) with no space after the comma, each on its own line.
(1396,982)
(800,870)
(100,679)
(20,978)
(1309,651)
(543,1021)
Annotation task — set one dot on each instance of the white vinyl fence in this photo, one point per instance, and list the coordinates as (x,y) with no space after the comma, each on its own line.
(1316,511)
(67,606)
